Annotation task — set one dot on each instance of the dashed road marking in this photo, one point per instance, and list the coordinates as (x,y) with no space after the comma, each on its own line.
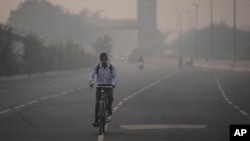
(5,111)
(5,90)
(125,99)
(64,93)
(32,102)
(100,138)
(20,106)
(54,96)
(236,107)
(243,112)
(227,99)
(80,88)
(120,103)
(116,107)
(41,99)
(44,98)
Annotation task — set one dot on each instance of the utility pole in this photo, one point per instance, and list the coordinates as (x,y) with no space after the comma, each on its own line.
(235,38)
(178,11)
(196,27)
(212,36)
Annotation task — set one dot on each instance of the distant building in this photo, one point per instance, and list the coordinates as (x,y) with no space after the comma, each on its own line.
(147,25)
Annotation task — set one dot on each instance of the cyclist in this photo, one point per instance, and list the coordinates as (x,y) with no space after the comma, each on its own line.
(106,75)
(141,63)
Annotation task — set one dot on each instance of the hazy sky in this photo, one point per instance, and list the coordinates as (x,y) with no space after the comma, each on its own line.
(167,17)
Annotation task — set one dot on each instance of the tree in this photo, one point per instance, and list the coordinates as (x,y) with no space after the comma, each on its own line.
(34,54)
(8,59)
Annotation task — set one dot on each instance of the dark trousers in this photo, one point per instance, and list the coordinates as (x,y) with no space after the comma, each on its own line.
(110,98)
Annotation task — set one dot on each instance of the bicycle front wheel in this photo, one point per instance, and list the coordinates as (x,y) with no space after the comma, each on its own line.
(101,119)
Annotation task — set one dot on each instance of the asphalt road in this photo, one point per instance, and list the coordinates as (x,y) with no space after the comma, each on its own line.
(159,103)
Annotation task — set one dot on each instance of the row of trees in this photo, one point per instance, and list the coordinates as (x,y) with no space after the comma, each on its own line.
(29,54)
(223,45)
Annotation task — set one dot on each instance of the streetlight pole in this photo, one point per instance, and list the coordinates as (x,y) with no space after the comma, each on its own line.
(212,38)
(196,27)
(180,30)
(235,39)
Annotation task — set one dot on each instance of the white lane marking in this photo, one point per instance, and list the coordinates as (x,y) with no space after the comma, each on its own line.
(80,88)
(44,98)
(36,101)
(32,102)
(220,87)
(100,138)
(120,103)
(125,99)
(143,89)
(64,93)
(134,94)
(116,107)
(163,126)
(244,113)
(20,106)
(227,99)
(5,90)
(54,96)
(129,96)
(106,126)
(237,107)
(5,111)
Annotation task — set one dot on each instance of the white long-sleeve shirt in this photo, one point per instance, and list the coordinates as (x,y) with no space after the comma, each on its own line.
(104,75)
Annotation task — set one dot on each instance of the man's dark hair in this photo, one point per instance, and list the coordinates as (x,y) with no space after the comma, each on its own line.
(103,55)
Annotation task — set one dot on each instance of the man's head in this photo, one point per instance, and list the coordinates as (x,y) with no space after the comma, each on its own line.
(104,59)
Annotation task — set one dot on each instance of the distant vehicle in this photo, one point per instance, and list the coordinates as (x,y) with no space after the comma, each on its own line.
(141,63)
(122,58)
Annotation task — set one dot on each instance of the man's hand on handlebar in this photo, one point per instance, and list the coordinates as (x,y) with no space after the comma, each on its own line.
(91,85)
(109,86)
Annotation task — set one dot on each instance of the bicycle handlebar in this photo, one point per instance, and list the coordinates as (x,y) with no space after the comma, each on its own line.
(100,86)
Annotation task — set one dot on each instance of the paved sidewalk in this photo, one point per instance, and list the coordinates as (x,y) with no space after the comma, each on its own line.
(35,75)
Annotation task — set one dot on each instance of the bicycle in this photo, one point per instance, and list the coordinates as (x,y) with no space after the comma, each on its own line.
(103,111)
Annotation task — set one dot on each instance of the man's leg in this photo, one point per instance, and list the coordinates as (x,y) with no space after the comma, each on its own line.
(110,101)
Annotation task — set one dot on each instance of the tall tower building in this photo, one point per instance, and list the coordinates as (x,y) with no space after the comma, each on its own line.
(147,25)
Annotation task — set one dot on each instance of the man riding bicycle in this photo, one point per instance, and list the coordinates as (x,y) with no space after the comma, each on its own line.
(106,75)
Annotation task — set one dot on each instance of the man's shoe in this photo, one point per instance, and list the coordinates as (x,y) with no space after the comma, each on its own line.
(108,119)
(95,124)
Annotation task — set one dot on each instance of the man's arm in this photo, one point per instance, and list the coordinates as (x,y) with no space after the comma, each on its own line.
(92,75)
(115,76)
